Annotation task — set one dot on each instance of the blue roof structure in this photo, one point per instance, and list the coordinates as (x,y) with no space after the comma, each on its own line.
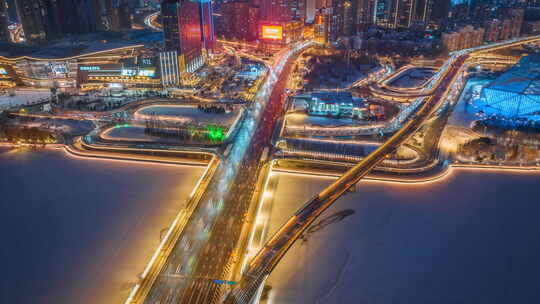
(337,97)
(516,93)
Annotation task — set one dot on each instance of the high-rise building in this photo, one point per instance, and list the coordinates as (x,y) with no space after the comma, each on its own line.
(434,13)
(43,20)
(342,19)
(531,27)
(321,25)
(283,10)
(208,34)
(191,36)
(460,14)
(71,17)
(493,29)
(382,13)
(169,19)
(188,31)
(464,37)
(516,15)
(113,15)
(394,13)
(408,13)
(4,33)
(505,29)
(254,17)
(349,17)
(33,16)
(234,21)
(450,41)
(403,13)
(364,14)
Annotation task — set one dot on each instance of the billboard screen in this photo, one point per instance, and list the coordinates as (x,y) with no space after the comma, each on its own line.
(273,32)
(148,72)
(3,71)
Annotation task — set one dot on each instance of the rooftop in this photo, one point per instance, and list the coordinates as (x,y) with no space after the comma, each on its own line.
(522,78)
(335,96)
(80,45)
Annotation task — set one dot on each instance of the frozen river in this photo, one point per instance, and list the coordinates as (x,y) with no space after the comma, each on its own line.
(470,238)
(78,230)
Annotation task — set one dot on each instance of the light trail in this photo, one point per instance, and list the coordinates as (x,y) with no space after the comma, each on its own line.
(278,245)
(151,22)
(212,200)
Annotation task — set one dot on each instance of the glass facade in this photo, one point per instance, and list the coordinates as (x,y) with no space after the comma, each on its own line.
(516,93)
(188,29)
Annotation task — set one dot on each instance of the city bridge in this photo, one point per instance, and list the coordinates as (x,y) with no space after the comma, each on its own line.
(262,264)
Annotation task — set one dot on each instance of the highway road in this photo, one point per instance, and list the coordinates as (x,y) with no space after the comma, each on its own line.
(275,248)
(151,22)
(203,250)
(408,94)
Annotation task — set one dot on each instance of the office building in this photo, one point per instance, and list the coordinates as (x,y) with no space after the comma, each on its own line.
(254,17)
(516,15)
(169,19)
(364,14)
(113,15)
(531,27)
(434,14)
(505,29)
(463,38)
(188,30)
(235,20)
(4,33)
(343,18)
(493,28)
(321,25)
(33,15)
(191,36)
(207,25)
(410,13)
(282,10)
(43,20)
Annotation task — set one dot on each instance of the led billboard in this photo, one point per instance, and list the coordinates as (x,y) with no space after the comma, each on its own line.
(147,72)
(272,32)
(3,71)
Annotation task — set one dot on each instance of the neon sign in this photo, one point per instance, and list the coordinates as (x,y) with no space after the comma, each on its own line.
(89,68)
(147,72)
(273,32)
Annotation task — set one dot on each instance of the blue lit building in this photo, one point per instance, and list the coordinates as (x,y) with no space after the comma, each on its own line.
(516,93)
(329,104)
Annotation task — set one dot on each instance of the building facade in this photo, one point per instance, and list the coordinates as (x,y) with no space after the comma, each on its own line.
(364,14)
(235,20)
(43,20)
(4,33)
(394,14)
(516,93)
(465,37)
(188,30)
(169,19)
(33,15)
(125,66)
(283,10)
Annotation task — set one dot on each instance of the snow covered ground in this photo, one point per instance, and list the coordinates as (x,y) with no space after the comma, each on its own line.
(301,119)
(191,113)
(23,98)
(470,238)
(412,77)
(465,113)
